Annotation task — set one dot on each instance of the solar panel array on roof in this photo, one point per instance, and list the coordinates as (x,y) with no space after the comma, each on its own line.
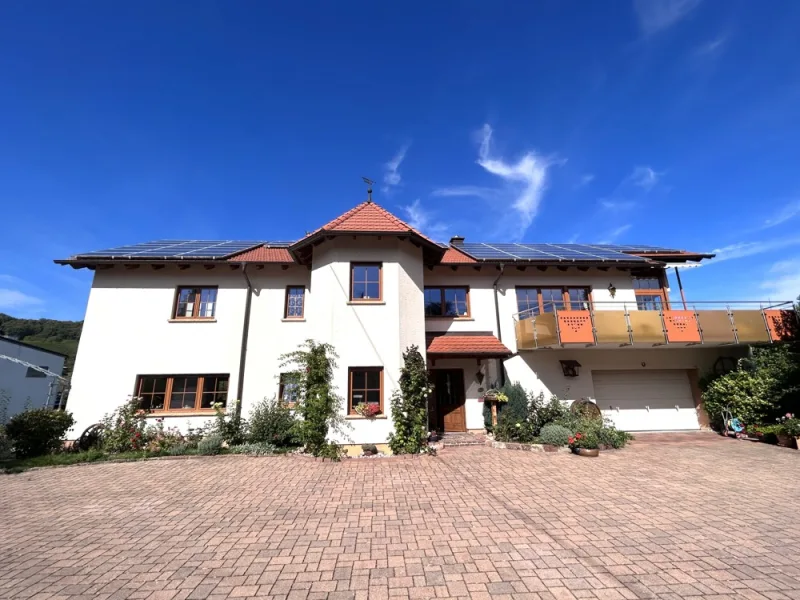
(554,252)
(165,249)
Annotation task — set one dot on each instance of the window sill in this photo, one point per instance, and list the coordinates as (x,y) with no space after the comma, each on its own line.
(293,320)
(194,320)
(449,319)
(360,418)
(360,302)
(156,414)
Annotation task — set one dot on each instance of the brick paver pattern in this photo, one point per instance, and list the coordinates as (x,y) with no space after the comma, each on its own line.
(687,517)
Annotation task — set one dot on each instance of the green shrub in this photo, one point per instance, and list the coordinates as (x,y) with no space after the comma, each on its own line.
(210,445)
(745,393)
(38,431)
(6,447)
(253,449)
(541,414)
(612,437)
(272,421)
(510,430)
(228,423)
(791,426)
(182,449)
(319,406)
(516,408)
(409,404)
(555,435)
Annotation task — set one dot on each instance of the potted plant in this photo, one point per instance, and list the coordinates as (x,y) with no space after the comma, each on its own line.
(585,444)
(368,410)
(789,431)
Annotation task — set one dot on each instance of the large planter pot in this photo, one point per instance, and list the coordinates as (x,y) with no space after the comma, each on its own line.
(787,441)
(797,442)
(586,451)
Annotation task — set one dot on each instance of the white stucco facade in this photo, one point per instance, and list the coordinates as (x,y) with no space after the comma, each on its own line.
(21,387)
(129,330)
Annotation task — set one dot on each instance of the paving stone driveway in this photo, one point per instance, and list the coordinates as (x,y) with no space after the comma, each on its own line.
(701,516)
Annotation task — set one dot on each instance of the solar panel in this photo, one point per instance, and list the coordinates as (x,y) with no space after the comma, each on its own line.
(176,249)
(548,252)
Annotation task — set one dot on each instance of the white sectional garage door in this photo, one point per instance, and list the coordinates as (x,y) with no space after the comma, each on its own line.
(646,400)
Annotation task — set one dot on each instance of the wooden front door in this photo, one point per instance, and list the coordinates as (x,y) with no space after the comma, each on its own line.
(448,391)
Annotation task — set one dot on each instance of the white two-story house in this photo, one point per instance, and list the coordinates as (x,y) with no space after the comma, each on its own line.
(185,324)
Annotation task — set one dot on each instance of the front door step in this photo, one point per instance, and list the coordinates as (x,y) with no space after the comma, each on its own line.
(463,439)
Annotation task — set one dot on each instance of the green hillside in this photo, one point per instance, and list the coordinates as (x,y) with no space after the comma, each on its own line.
(59,336)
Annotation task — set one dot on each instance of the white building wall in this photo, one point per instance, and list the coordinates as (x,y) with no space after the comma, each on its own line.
(20,391)
(128,331)
(367,334)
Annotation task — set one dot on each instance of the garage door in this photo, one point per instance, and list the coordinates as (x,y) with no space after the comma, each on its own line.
(646,400)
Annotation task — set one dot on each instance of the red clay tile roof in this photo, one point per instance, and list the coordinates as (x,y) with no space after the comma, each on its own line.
(263,254)
(368,217)
(467,345)
(453,256)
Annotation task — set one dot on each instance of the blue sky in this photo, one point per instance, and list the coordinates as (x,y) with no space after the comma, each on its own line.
(667,122)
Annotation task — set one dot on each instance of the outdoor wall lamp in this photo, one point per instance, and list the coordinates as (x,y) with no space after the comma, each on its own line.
(612,290)
(571,368)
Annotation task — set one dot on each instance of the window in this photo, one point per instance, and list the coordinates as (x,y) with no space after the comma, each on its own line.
(195,303)
(534,301)
(650,294)
(447,302)
(365,282)
(366,385)
(181,392)
(34,373)
(288,390)
(295,300)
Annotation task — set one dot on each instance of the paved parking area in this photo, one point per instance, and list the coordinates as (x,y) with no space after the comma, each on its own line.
(670,517)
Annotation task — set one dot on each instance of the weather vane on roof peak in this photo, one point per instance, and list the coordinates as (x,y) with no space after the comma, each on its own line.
(369,183)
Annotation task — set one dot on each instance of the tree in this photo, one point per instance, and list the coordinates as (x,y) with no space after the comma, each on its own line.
(318,405)
(409,405)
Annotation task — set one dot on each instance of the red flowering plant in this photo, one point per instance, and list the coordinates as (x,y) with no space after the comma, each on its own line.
(124,429)
(160,438)
(368,410)
(586,439)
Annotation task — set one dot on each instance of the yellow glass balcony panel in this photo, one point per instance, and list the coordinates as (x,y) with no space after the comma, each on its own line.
(544,326)
(611,327)
(716,327)
(750,326)
(647,326)
(525,340)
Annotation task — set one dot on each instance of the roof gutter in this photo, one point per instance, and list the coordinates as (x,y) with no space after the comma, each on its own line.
(497,317)
(245,334)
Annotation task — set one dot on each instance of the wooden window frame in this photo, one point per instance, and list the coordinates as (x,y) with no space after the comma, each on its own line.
(196,304)
(353,266)
(567,302)
(659,291)
(286,303)
(442,289)
(168,393)
(350,407)
(281,386)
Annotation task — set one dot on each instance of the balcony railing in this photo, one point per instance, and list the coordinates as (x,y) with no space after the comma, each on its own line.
(609,324)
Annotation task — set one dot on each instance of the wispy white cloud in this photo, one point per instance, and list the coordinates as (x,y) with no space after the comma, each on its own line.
(744,249)
(782,281)
(644,177)
(12,299)
(657,15)
(524,181)
(785,213)
(711,48)
(616,205)
(466,190)
(391,170)
(614,235)
(585,180)
(422,220)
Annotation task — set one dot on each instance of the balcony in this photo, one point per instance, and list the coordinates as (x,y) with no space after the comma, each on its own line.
(617,324)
